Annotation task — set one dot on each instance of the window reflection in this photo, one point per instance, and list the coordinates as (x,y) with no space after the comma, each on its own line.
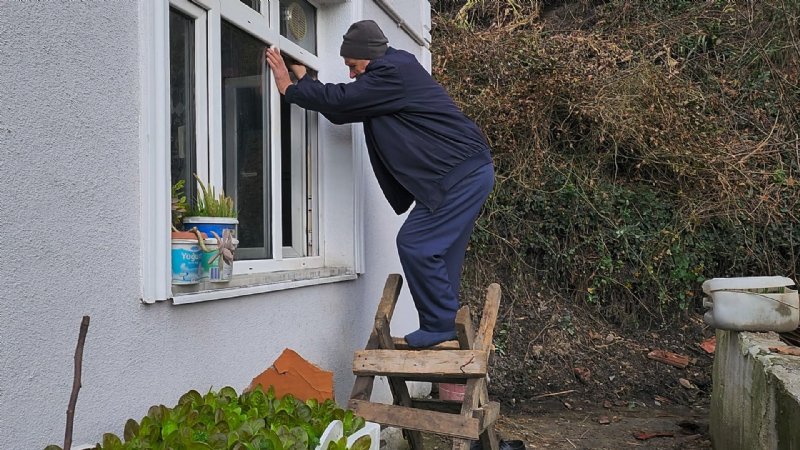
(245,128)
(181,100)
(253,4)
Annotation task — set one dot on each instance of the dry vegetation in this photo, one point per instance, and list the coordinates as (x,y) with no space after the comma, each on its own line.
(640,148)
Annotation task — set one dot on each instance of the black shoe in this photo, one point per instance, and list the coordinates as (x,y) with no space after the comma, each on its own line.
(504,445)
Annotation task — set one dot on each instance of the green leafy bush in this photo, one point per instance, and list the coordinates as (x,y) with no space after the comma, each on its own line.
(225,420)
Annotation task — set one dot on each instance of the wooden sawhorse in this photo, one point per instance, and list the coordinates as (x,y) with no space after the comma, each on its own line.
(464,360)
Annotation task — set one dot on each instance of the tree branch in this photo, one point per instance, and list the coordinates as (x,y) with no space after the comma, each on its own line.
(76,382)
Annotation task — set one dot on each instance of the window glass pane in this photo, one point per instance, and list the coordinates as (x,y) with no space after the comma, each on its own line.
(254,4)
(181,99)
(297,186)
(286,173)
(299,23)
(311,198)
(245,131)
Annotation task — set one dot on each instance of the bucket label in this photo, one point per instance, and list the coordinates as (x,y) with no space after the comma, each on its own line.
(210,266)
(186,260)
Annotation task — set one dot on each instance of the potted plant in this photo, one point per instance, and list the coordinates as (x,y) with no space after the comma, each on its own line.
(216,264)
(186,249)
(212,212)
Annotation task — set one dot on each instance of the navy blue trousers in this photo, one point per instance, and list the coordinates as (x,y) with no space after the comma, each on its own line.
(432,246)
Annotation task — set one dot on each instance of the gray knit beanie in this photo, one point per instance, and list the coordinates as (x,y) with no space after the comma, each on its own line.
(364,40)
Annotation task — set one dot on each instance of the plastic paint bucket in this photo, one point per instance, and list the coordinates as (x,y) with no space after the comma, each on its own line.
(216,271)
(451,391)
(209,224)
(186,258)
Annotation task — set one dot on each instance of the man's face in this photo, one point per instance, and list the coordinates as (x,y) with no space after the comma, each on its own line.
(356,66)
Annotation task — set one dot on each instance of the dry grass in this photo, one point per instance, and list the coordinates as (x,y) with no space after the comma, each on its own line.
(587,107)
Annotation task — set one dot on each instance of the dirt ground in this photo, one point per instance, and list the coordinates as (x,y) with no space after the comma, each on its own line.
(621,398)
(567,380)
(673,427)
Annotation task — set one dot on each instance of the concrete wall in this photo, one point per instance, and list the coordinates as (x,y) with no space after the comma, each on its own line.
(755,401)
(69,138)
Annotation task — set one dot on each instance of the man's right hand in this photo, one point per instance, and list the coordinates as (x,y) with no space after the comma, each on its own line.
(278,66)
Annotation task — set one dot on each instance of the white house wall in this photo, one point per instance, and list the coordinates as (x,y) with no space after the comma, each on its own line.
(69,137)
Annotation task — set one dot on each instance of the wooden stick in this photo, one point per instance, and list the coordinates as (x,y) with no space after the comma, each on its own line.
(76,382)
(553,394)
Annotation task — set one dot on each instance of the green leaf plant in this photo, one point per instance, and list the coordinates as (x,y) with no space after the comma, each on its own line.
(254,420)
(179,203)
(210,204)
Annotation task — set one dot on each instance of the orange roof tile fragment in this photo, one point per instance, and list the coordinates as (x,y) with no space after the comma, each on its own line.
(292,374)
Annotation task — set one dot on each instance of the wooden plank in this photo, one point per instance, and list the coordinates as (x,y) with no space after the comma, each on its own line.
(483,392)
(472,396)
(487,415)
(490,410)
(466,336)
(464,330)
(431,363)
(461,444)
(362,386)
(409,418)
(397,385)
(391,290)
(469,406)
(435,379)
(401,344)
(489,439)
(491,308)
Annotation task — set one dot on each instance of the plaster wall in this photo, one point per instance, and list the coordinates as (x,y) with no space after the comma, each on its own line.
(417,18)
(397,37)
(69,138)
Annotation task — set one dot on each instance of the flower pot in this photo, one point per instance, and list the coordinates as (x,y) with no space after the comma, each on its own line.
(450,391)
(213,266)
(186,258)
(208,225)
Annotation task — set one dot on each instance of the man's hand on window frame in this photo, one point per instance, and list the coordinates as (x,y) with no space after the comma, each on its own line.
(280,71)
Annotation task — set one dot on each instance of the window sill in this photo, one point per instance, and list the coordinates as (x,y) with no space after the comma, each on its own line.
(242,285)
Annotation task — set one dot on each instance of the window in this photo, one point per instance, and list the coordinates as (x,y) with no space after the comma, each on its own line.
(228,125)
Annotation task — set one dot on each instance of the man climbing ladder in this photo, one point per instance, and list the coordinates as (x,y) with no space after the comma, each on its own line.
(423,150)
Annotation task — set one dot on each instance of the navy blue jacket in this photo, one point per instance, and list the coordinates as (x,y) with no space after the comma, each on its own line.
(420,144)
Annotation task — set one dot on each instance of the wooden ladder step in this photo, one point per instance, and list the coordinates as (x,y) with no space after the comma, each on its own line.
(409,418)
(464,361)
(430,363)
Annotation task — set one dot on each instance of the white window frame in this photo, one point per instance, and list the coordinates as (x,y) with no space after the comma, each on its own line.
(155,135)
